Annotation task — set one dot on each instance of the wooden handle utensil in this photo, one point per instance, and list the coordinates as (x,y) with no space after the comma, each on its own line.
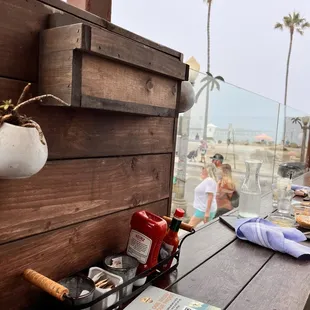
(51,287)
(183,226)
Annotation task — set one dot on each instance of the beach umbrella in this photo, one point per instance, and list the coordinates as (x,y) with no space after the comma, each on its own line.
(264,137)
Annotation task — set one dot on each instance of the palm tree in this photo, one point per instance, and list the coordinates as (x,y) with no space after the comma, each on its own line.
(296,120)
(293,22)
(211,82)
(209,4)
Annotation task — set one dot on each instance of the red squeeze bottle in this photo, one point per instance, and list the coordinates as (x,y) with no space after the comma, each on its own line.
(171,240)
(146,236)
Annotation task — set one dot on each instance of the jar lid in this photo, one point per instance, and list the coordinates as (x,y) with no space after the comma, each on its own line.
(179,212)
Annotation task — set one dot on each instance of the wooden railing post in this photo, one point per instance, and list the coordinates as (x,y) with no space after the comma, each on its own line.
(100,8)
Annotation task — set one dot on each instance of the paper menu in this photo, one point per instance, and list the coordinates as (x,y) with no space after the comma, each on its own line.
(154,298)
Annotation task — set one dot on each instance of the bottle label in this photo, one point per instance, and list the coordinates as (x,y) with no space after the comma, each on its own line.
(165,251)
(139,246)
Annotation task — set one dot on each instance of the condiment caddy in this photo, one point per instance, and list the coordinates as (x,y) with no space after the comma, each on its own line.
(111,295)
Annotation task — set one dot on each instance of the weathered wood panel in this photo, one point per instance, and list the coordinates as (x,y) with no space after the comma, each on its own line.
(77,133)
(62,252)
(67,192)
(111,45)
(102,78)
(123,49)
(12,89)
(81,133)
(20,24)
(284,283)
(64,38)
(74,211)
(56,76)
(63,19)
(108,72)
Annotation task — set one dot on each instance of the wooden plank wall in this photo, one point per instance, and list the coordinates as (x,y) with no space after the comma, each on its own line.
(102,167)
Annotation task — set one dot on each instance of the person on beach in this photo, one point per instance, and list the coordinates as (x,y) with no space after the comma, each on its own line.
(225,190)
(205,196)
(217,160)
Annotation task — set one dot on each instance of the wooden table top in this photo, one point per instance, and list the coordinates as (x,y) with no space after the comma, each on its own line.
(218,269)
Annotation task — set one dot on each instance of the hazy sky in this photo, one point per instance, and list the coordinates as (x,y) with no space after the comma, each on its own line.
(246,50)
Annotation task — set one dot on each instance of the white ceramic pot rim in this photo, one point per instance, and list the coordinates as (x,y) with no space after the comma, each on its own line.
(22,129)
(19,127)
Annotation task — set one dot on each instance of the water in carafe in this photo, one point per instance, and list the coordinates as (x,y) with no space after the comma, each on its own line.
(250,193)
(248,204)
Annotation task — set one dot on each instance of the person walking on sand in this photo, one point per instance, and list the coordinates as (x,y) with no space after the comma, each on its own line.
(205,196)
(225,190)
(217,160)
(203,151)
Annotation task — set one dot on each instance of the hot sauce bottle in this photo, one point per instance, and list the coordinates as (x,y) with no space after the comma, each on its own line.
(146,236)
(171,240)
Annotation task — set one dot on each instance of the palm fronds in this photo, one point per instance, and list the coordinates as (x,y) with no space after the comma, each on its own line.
(296,120)
(293,22)
(211,82)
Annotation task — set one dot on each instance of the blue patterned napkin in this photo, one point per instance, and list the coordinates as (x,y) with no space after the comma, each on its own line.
(268,235)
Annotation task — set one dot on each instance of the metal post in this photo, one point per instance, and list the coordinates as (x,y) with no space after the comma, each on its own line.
(205,128)
(184,127)
(233,142)
(179,200)
(303,143)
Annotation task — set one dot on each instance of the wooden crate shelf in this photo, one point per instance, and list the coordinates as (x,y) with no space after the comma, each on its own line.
(94,68)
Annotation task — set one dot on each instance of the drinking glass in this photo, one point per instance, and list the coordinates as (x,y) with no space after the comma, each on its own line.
(282,216)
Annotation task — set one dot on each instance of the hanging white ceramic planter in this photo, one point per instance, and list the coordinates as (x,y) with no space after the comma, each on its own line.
(23,151)
(187,98)
(23,148)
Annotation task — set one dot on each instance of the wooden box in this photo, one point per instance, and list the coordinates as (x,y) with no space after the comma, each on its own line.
(94,68)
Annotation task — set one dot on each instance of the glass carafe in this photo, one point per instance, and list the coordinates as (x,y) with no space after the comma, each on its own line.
(250,193)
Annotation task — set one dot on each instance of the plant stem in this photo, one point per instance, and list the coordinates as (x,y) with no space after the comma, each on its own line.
(22,96)
(39,98)
(38,128)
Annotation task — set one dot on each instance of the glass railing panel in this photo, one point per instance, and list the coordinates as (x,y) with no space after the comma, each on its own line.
(293,137)
(239,125)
